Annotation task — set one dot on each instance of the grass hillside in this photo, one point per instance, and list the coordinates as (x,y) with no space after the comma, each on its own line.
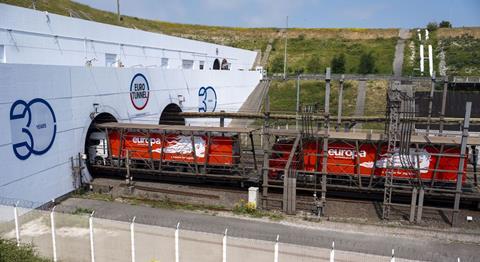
(458,47)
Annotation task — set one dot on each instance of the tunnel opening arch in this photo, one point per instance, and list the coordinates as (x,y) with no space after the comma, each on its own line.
(216,64)
(170,116)
(94,147)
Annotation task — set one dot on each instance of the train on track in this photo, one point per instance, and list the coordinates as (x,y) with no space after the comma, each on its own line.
(219,152)
(201,152)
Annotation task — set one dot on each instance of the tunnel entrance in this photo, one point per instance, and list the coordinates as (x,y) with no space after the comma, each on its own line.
(95,141)
(216,64)
(170,116)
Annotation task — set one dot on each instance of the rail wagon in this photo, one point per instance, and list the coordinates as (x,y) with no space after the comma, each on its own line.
(172,150)
(344,159)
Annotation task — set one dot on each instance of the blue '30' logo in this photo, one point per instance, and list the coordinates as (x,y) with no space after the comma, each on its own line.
(207,99)
(33,127)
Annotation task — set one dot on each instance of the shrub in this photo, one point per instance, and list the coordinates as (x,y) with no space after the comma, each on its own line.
(367,64)
(338,64)
(10,252)
(277,65)
(432,26)
(313,65)
(445,24)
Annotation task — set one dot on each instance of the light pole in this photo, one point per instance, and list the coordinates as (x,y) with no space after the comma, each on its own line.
(285,56)
(118,10)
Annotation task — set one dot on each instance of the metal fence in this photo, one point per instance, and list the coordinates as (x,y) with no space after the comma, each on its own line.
(83,237)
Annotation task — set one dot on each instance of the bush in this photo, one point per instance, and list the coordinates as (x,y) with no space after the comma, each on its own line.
(367,64)
(10,252)
(445,24)
(246,208)
(432,26)
(338,64)
(313,65)
(277,65)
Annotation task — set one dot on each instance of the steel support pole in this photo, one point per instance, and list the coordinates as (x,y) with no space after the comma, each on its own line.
(285,55)
(461,165)
(340,103)
(54,242)
(17,228)
(222,119)
(430,103)
(177,251)
(444,104)
(92,246)
(420,204)
(413,205)
(475,161)
(224,246)
(325,140)
(298,102)
(127,165)
(275,250)
(118,11)
(327,94)
(265,145)
(132,238)
(332,252)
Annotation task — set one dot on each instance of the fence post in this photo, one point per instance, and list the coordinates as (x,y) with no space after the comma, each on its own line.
(132,238)
(275,255)
(90,225)
(393,256)
(17,230)
(225,246)
(54,243)
(332,252)
(177,257)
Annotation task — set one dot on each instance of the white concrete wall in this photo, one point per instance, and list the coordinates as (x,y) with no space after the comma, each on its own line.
(33,37)
(71,93)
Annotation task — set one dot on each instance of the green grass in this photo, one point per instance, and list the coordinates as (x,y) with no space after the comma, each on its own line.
(167,203)
(301,49)
(247,209)
(82,211)
(462,55)
(283,96)
(25,253)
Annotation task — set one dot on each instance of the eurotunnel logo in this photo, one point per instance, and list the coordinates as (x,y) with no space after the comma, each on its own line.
(207,99)
(33,127)
(139,91)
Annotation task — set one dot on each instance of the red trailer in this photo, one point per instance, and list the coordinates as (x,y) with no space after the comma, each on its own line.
(178,148)
(344,158)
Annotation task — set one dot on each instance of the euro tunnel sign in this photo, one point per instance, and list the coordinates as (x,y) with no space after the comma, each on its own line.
(139,91)
(33,127)
(207,99)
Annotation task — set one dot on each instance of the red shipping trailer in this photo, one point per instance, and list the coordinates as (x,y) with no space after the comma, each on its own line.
(343,159)
(179,148)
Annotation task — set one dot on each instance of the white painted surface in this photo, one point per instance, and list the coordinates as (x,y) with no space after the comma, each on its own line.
(71,93)
(253,195)
(34,37)
(422,59)
(430,59)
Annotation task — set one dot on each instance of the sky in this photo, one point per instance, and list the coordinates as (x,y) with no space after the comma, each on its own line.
(301,13)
